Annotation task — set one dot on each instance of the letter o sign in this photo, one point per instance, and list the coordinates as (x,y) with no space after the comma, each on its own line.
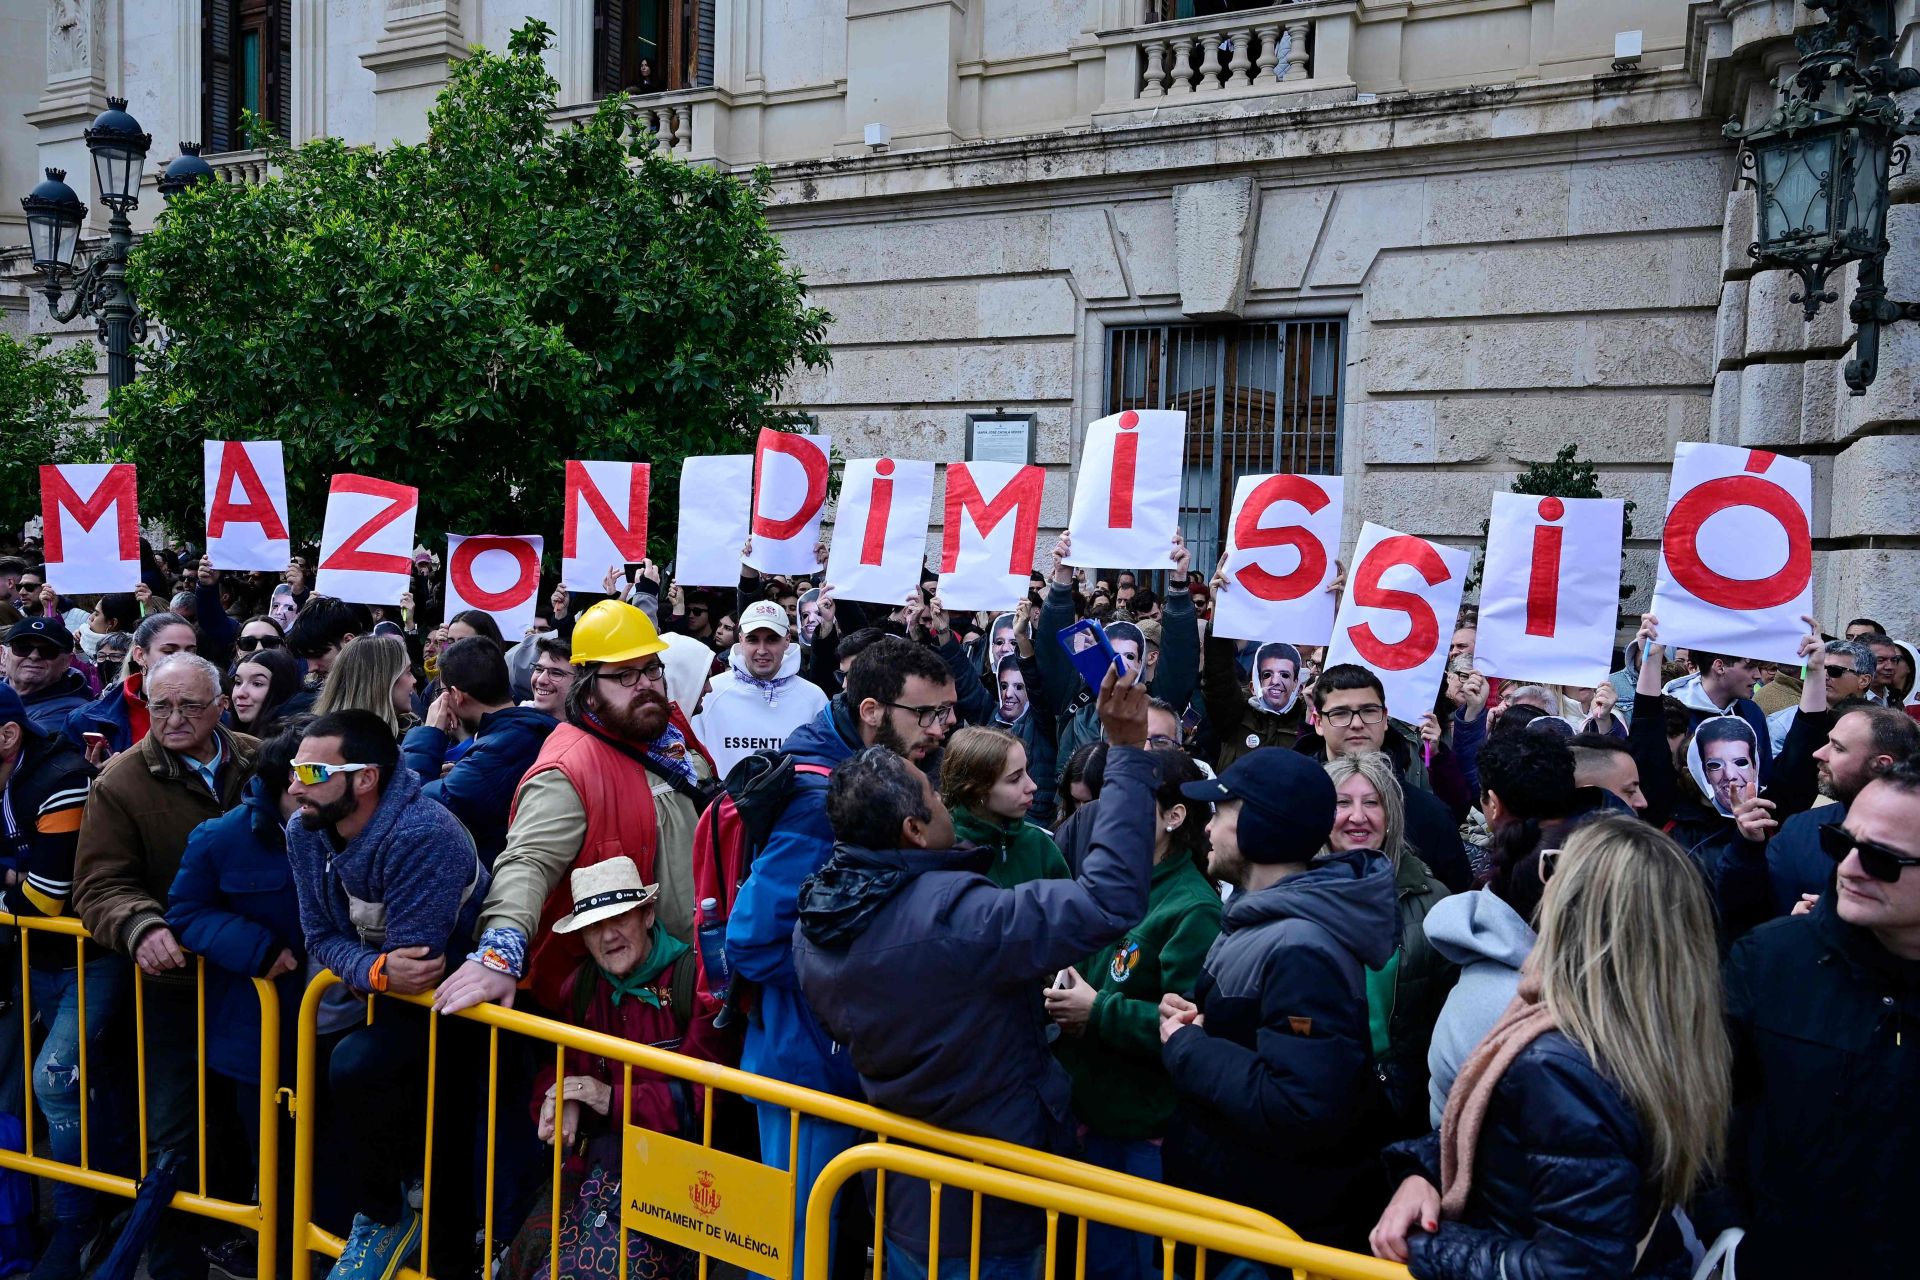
(526,579)
(1681,544)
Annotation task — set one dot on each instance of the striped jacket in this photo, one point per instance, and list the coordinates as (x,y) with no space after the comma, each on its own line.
(45,796)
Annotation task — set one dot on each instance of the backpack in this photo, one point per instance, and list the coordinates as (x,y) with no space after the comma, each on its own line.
(730,834)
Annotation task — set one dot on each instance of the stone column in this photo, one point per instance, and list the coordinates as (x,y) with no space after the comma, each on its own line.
(76,92)
(418,46)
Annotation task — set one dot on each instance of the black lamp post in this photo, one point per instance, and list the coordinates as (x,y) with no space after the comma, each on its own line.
(55,214)
(1820,166)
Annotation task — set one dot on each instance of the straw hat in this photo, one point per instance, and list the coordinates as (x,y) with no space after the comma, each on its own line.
(603,891)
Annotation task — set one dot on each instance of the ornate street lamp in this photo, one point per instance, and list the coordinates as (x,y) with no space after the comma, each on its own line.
(54,214)
(1820,166)
(185,170)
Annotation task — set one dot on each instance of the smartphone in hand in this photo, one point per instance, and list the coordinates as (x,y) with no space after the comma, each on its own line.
(1092,653)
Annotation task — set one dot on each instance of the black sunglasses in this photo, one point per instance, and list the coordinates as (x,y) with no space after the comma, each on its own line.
(1877,860)
(247,644)
(28,649)
(1835,673)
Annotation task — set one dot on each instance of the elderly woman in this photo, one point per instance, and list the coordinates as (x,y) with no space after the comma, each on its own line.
(636,983)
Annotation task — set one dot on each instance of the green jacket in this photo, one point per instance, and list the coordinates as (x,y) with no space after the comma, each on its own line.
(1021,850)
(1121,1090)
(1407,994)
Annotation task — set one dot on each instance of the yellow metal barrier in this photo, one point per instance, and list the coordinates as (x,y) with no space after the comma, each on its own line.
(261,1218)
(1043,1168)
(1279,1249)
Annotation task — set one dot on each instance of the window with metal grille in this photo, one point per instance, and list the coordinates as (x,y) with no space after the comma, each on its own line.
(1258,398)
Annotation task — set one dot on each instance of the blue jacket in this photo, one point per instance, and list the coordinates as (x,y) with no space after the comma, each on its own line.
(47,710)
(1560,1181)
(106,714)
(480,788)
(413,859)
(931,974)
(1279,1103)
(784,1040)
(233,902)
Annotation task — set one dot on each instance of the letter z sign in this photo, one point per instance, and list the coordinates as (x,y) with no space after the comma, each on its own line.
(366,540)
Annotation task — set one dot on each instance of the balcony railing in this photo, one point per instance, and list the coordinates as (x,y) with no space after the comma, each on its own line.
(672,118)
(1283,48)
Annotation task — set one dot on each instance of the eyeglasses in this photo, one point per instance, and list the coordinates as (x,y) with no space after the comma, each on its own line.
(28,649)
(162,712)
(1876,859)
(652,673)
(1341,717)
(556,674)
(1161,740)
(1836,673)
(928,716)
(247,644)
(313,773)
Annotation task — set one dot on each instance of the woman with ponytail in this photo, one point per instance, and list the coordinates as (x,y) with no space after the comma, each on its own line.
(1598,1102)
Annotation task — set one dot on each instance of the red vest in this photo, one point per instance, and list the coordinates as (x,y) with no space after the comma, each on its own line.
(617,792)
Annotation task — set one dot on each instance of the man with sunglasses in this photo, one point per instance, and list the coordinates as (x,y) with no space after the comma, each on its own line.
(1845,665)
(619,778)
(39,666)
(1820,1011)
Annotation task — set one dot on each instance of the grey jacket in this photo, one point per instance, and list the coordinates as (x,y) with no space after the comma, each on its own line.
(1489,941)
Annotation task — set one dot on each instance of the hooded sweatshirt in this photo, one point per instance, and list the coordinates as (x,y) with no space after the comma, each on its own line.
(1019,851)
(1489,941)
(1279,1106)
(744,714)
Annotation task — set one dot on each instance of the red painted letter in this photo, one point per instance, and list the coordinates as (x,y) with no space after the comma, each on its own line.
(257,508)
(349,554)
(460,569)
(813,459)
(117,490)
(1021,496)
(1543,580)
(629,536)
(1249,536)
(1681,540)
(873,544)
(1424,634)
(1126,458)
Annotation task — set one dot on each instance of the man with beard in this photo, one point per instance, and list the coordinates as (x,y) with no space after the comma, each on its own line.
(899,695)
(387,881)
(617,779)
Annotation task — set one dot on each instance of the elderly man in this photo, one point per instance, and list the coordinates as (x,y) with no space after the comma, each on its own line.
(39,666)
(185,771)
(617,779)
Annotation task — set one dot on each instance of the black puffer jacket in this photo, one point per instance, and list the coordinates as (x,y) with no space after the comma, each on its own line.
(1560,1186)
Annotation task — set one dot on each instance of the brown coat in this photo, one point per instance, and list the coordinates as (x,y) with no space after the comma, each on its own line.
(141,810)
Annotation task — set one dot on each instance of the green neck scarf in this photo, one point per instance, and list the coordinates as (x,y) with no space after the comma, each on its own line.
(639,983)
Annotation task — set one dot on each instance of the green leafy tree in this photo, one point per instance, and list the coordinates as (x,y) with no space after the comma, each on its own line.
(40,393)
(1565,477)
(467,313)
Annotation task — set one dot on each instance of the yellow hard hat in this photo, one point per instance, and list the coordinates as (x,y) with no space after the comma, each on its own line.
(614,631)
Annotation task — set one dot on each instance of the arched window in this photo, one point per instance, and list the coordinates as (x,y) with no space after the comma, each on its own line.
(246,64)
(651,46)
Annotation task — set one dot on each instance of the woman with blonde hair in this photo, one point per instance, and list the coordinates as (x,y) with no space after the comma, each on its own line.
(986,787)
(1403,997)
(373,673)
(1599,1101)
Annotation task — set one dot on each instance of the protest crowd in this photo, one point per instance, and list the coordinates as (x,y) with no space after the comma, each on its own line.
(1544,981)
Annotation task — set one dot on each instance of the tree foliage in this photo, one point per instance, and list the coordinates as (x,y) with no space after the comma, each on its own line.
(1564,477)
(467,313)
(40,393)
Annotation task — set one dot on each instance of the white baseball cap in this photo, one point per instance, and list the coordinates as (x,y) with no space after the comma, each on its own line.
(764,615)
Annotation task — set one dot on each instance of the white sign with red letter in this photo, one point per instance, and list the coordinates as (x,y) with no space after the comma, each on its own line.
(985,557)
(1550,590)
(1283,546)
(1736,556)
(789,497)
(605,522)
(716,508)
(1403,594)
(499,576)
(367,539)
(880,529)
(1126,498)
(92,526)
(246,505)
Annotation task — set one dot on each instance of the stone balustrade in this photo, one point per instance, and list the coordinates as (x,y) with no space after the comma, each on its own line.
(668,117)
(247,168)
(1284,48)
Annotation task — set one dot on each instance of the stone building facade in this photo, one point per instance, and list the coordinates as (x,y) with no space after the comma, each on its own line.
(1424,242)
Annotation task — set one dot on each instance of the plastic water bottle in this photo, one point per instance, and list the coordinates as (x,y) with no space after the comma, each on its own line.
(713,947)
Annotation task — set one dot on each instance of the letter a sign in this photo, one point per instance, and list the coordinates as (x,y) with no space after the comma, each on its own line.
(92,526)
(246,505)
(1736,556)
